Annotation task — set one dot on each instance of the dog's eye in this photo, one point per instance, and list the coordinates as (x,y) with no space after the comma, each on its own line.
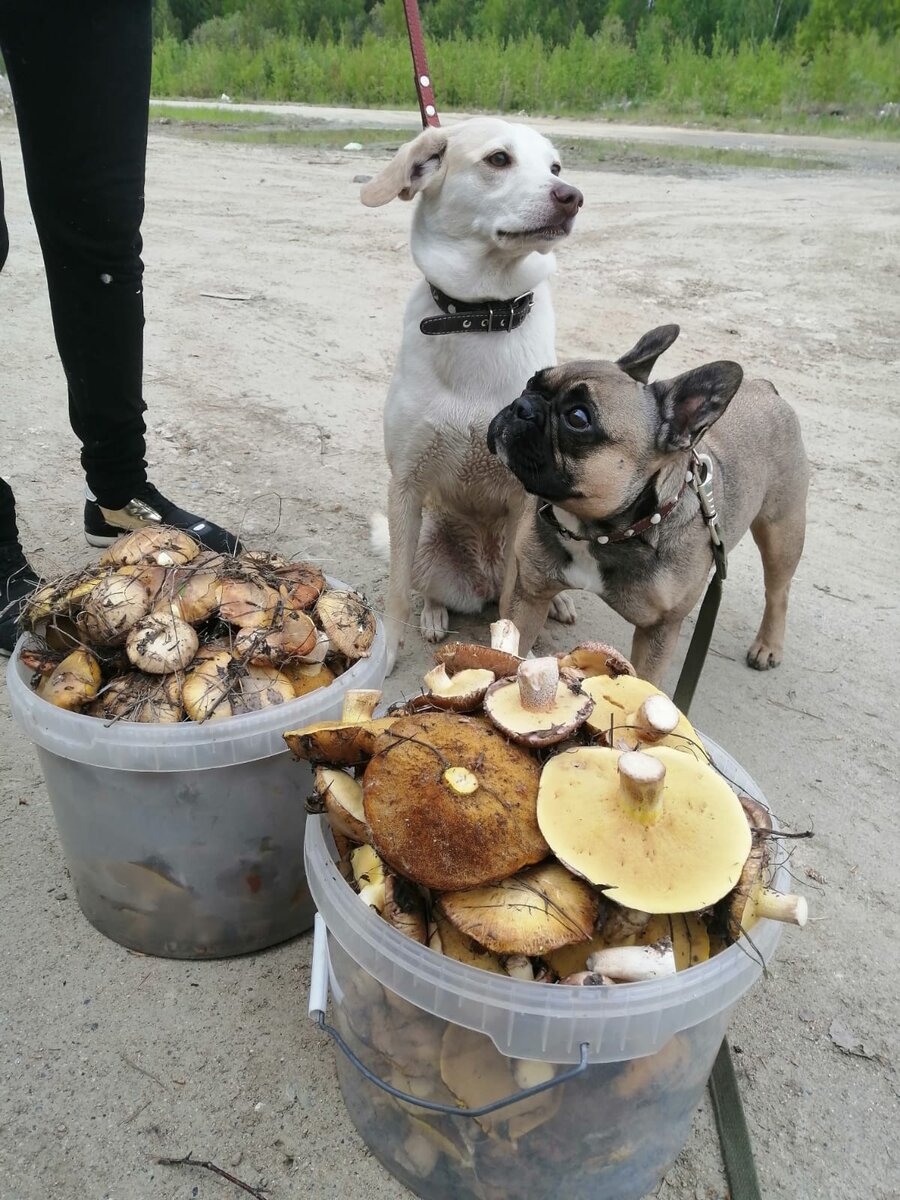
(578,419)
(556,168)
(499,159)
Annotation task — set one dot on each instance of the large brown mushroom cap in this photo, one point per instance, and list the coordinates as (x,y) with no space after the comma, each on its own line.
(657,830)
(450,804)
(530,913)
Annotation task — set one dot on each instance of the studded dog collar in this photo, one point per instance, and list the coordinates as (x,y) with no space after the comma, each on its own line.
(476,316)
(695,476)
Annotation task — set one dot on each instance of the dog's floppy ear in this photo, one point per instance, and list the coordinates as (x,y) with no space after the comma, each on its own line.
(413,168)
(638,362)
(690,403)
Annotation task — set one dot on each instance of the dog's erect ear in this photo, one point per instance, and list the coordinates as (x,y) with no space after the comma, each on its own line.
(690,403)
(638,362)
(410,171)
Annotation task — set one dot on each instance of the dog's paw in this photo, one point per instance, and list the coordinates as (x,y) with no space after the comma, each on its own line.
(435,621)
(763,657)
(562,609)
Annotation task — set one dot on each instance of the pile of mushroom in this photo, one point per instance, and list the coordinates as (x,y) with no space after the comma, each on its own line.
(161,631)
(555,820)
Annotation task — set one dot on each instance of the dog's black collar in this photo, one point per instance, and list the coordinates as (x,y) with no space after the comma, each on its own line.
(602,538)
(478,316)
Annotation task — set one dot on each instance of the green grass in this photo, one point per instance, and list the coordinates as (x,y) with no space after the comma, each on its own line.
(837,88)
(197,114)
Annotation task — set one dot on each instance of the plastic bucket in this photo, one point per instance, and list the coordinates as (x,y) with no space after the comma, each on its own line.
(631,1061)
(185,840)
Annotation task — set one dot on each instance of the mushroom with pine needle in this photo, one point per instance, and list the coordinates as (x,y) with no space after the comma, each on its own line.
(161,643)
(247,603)
(656,830)
(752,899)
(74,682)
(630,713)
(146,699)
(208,686)
(687,932)
(190,593)
(450,803)
(446,939)
(348,621)
(538,707)
(112,608)
(529,913)
(345,743)
(290,638)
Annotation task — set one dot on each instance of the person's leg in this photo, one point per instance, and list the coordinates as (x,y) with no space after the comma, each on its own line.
(80,77)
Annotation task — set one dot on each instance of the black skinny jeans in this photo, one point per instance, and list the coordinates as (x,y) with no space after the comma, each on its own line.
(80,77)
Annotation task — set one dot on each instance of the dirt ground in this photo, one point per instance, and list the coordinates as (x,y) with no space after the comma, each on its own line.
(265,413)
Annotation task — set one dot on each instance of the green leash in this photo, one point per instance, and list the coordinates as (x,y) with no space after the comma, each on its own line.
(731,1122)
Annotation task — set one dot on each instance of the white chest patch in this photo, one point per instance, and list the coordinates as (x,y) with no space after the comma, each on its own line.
(583,571)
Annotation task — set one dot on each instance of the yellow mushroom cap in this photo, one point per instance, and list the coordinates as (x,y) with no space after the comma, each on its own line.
(617,707)
(537,707)
(534,911)
(662,832)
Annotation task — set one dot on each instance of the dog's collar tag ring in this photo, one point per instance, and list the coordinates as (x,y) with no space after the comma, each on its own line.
(478,316)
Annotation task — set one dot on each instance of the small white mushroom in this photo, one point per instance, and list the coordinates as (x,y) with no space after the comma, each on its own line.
(634,964)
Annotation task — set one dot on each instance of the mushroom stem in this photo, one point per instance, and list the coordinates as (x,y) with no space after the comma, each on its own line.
(655,719)
(461,780)
(359,705)
(538,680)
(518,966)
(505,637)
(634,964)
(643,778)
(793,910)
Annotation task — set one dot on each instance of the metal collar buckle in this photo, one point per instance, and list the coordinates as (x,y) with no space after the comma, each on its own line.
(703,485)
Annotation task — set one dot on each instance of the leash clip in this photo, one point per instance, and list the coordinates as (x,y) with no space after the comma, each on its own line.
(703,481)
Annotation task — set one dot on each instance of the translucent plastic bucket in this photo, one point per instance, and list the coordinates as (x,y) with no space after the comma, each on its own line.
(631,1061)
(184,840)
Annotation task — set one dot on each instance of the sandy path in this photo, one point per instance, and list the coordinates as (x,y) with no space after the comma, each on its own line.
(109,1059)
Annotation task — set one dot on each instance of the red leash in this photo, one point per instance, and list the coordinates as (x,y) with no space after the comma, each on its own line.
(424,89)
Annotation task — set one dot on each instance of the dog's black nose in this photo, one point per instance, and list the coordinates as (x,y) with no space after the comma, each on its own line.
(568,198)
(526,409)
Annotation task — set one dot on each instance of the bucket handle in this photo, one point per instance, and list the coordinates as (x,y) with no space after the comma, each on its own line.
(318,1002)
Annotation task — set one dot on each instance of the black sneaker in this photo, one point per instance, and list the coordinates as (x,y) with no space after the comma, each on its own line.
(150,507)
(17,582)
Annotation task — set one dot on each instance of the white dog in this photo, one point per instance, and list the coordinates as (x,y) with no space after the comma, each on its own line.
(476,328)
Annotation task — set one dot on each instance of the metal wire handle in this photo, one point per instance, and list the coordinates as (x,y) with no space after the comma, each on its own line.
(318,1002)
